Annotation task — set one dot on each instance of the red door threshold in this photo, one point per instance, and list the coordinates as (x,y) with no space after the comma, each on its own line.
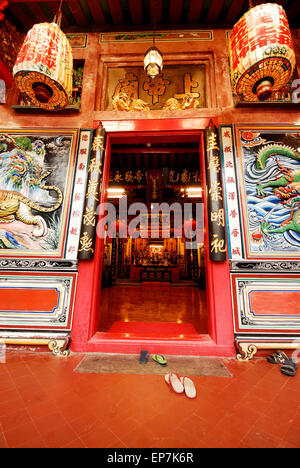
(170,339)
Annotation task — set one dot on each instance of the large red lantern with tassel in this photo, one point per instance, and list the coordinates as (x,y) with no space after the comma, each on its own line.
(43,70)
(262,57)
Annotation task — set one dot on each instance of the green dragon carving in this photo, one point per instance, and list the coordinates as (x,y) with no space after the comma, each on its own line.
(289,182)
(292,224)
(274,150)
(286,187)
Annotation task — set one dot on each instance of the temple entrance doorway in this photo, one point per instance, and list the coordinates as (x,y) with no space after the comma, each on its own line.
(153,280)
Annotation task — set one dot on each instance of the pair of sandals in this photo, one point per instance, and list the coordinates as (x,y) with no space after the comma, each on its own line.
(158,358)
(288,366)
(181,384)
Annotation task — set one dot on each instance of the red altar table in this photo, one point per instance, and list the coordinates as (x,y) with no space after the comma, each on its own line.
(143,273)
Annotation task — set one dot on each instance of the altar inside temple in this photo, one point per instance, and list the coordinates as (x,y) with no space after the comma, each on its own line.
(165,261)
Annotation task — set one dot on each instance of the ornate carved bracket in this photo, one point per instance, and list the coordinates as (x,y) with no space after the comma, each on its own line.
(57,343)
(248,347)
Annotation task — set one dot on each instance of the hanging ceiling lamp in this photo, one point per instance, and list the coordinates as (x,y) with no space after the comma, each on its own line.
(262,58)
(153,60)
(43,71)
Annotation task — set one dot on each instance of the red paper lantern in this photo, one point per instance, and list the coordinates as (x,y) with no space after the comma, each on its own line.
(262,58)
(43,71)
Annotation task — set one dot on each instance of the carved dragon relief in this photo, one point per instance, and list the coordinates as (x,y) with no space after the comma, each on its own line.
(286,187)
(122,102)
(187,102)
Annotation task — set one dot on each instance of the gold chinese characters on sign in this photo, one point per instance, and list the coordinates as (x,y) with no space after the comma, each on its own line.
(92,196)
(176,88)
(215,202)
(138,177)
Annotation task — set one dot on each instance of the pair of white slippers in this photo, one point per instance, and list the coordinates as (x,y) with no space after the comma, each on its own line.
(181,384)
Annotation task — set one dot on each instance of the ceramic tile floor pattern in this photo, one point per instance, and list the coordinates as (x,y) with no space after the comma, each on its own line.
(44,403)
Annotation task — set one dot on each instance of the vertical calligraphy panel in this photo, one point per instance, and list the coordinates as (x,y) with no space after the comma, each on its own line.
(215,202)
(92,197)
(154,186)
(231,195)
(78,195)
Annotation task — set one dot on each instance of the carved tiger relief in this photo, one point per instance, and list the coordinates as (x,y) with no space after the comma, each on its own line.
(15,206)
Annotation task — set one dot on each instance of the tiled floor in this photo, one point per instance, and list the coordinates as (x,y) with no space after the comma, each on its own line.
(153,303)
(44,403)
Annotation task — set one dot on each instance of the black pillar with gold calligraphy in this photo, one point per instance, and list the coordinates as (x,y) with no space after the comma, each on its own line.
(92,198)
(154,186)
(215,199)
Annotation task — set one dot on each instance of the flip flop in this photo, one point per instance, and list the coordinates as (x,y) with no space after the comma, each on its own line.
(279,357)
(173,380)
(189,387)
(159,358)
(144,357)
(289,368)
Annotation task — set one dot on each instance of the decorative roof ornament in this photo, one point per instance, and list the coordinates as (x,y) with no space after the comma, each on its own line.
(262,58)
(43,69)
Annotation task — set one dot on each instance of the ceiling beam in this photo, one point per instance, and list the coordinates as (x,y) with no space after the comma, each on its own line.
(75,9)
(294,10)
(155,150)
(175,11)
(156,9)
(116,11)
(214,11)
(96,11)
(11,2)
(136,11)
(38,10)
(234,12)
(54,7)
(21,15)
(195,10)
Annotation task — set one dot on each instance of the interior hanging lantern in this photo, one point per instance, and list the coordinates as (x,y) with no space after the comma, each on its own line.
(153,62)
(262,57)
(43,71)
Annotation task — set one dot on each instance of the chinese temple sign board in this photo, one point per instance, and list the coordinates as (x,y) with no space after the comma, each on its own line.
(173,83)
(140,177)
